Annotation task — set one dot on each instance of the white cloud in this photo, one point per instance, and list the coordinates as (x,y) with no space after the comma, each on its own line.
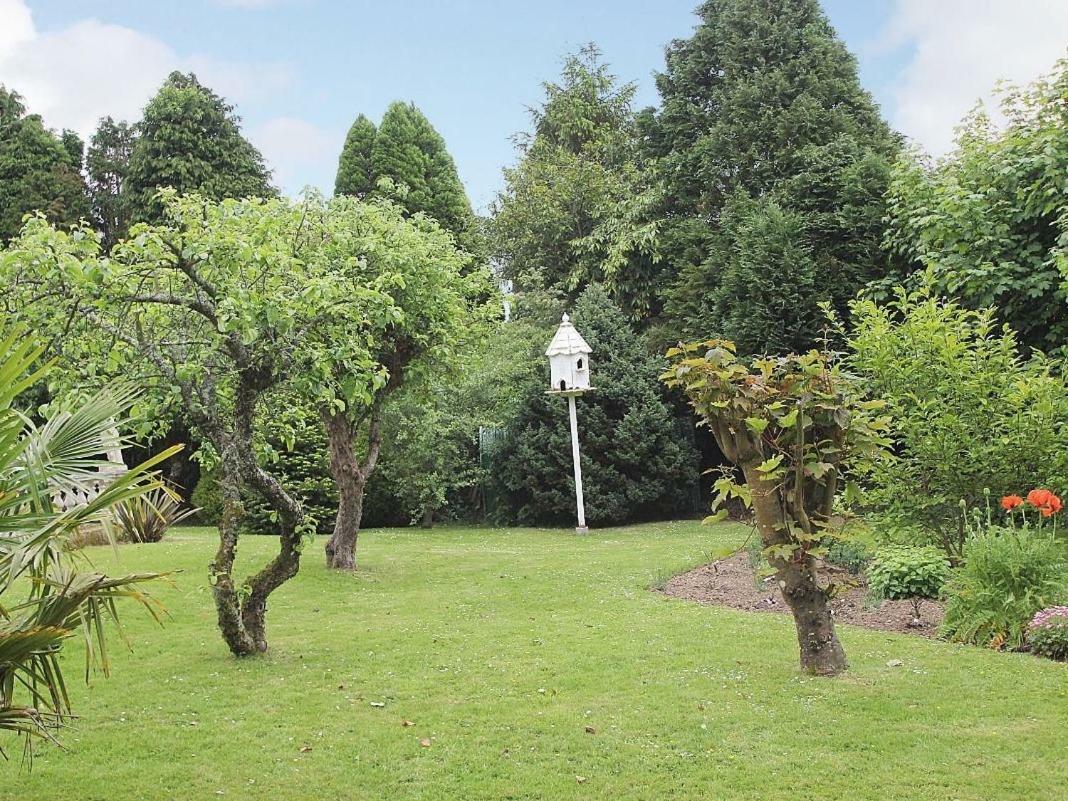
(74,75)
(295,148)
(960,50)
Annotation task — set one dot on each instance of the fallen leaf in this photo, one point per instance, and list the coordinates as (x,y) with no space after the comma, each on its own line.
(377,704)
(591,730)
(894,663)
(425,742)
(305,749)
(407,723)
(580,779)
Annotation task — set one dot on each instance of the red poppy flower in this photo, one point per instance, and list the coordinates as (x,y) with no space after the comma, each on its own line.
(1045,501)
(1010,502)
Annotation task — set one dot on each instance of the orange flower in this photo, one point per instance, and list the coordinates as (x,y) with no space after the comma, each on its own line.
(1010,502)
(1045,501)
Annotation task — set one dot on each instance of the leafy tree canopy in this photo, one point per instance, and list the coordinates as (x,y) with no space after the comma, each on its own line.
(39,171)
(189,139)
(990,221)
(107,165)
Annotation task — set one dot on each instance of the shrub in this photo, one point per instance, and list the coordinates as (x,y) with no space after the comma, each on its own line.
(207,498)
(853,555)
(1006,578)
(969,415)
(146,518)
(1047,633)
(908,573)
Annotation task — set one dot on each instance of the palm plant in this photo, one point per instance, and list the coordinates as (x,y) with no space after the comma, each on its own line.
(48,592)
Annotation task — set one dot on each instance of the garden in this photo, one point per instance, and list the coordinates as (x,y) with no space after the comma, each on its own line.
(289,486)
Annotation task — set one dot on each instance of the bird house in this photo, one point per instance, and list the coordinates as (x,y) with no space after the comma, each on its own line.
(569,360)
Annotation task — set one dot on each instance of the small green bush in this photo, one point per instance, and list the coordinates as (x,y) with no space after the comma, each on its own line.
(908,573)
(207,498)
(1006,578)
(853,555)
(1047,633)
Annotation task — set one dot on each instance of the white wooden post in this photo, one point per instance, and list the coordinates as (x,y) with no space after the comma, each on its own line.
(581,529)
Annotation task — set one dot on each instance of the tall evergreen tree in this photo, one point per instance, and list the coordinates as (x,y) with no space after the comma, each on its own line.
(764,101)
(190,139)
(107,164)
(39,171)
(409,151)
(355,172)
(572,208)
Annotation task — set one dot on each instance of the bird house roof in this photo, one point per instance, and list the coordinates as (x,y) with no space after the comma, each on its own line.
(567,340)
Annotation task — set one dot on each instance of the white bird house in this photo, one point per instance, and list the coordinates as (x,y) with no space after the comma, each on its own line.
(569,359)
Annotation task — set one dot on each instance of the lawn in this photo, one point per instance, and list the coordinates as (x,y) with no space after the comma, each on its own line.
(535,664)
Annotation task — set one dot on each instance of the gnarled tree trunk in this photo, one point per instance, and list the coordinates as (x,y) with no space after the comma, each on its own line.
(350,474)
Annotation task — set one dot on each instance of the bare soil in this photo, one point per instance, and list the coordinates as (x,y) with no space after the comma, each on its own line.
(732,582)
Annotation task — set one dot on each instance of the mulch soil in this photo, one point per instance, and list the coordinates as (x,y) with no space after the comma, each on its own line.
(732,582)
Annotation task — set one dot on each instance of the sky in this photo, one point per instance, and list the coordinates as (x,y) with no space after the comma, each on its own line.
(299,71)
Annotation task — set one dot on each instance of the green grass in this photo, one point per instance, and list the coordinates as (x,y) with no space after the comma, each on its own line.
(502,646)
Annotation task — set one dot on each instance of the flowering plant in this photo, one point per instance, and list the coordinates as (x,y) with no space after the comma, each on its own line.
(1045,502)
(1047,633)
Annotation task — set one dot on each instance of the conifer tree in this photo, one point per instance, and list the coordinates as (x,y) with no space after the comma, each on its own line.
(190,139)
(763,101)
(355,173)
(408,151)
(107,165)
(39,171)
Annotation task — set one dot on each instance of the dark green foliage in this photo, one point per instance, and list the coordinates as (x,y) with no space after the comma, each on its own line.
(1007,576)
(907,572)
(190,139)
(295,449)
(575,208)
(408,151)
(107,165)
(355,172)
(990,222)
(851,554)
(38,170)
(635,462)
(207,498)
(763,116)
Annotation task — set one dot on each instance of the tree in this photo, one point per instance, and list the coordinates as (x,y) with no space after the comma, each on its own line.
(970,415)
(189,139)
(107,165)
(214,312)
(575,208)
(797,428)
(38,170)
(763,101)
(636,465)
(355,170)
(415,264)
(989,223)
(46,593)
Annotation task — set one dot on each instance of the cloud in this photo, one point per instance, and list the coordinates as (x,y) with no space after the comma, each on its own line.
(74,75)
(959,50)
(296,149)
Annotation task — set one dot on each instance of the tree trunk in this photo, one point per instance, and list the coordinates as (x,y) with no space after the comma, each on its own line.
(227,601)
(428,518)
(350,475)
(821,652)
